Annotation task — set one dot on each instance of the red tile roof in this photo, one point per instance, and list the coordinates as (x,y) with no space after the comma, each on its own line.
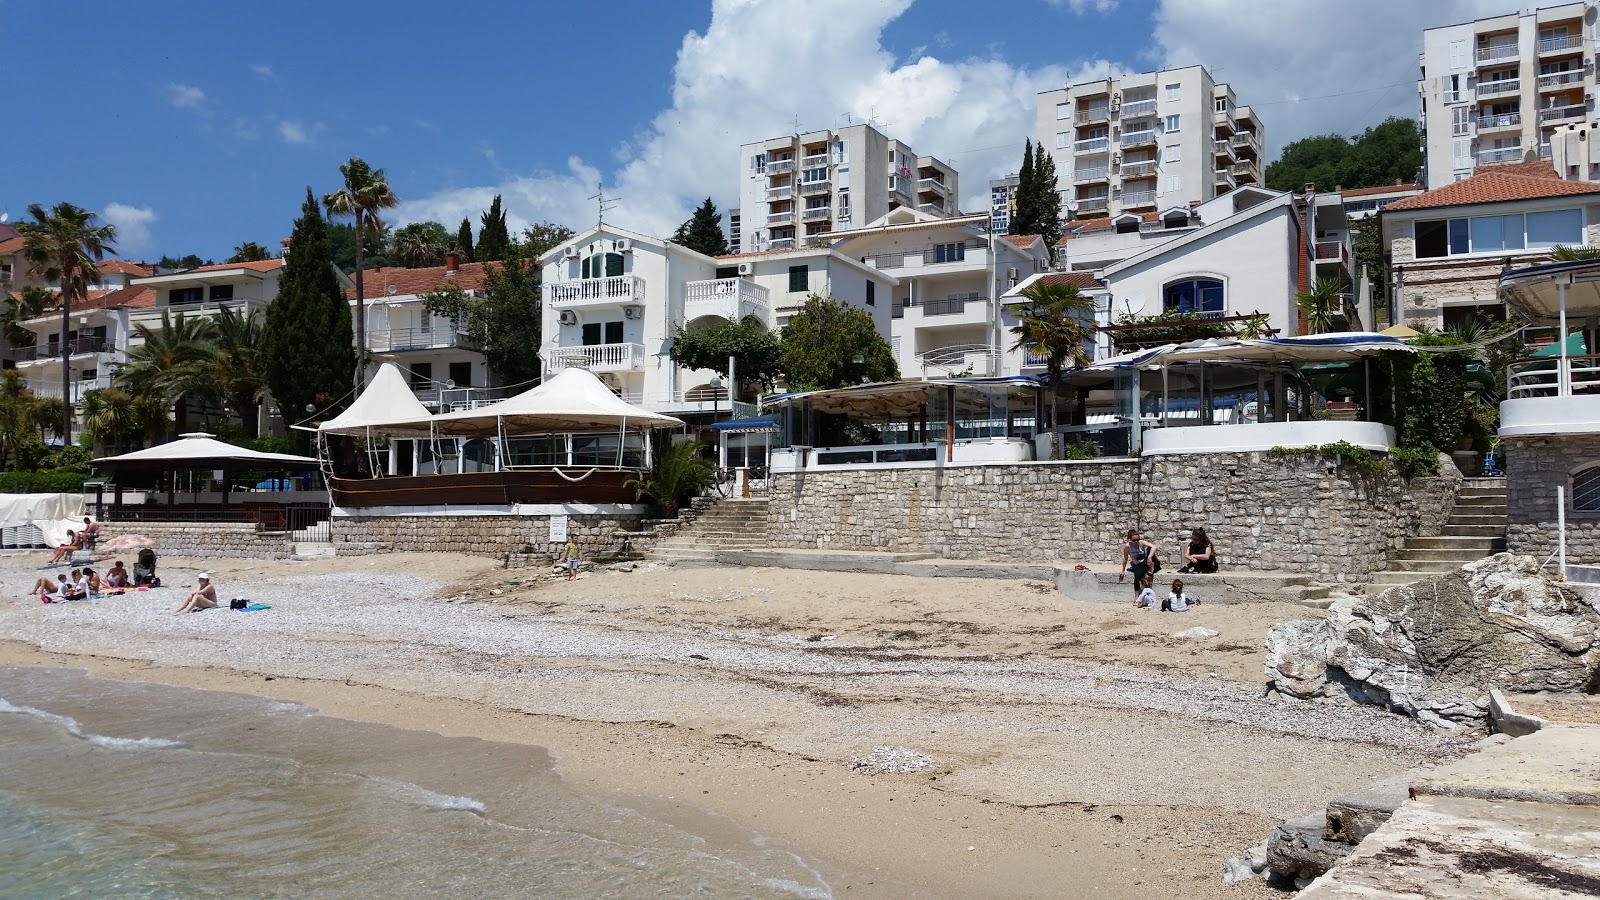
(265,265)
(12,245)
(122,267)
(1382,189)
(1498,184)
(137,296)
(1021,240)
(1100,223)
(376,282)
(1083,281)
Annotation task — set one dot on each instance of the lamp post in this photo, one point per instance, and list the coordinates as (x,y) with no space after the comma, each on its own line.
(716,388)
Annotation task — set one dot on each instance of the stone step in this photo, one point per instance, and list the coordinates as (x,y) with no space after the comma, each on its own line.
(1481,492)
(1435,566)
(1305,593)
(1480,508)
(1498,521)
(1481,545)
(1457,555)
(314,550)
(1390,578)
(1479,531)
(1484,481)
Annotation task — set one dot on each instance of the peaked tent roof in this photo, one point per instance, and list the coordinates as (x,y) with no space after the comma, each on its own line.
(201,449)
(571,400)
(386,400)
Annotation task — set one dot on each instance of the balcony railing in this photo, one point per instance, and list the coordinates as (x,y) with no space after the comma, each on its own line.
(779,193)
(1091,145)
(52,350)
(1499,155)
(81,386)
(932,255)
(1556,44)
(1502,51)
(1140,169)
(1502,86)
(935,208)
(395,340)
(1557,113)
(1244,140)
(932,184)
(443,399)
(781,244)
(1500,122)
(781,218)
(616,289)
(1554,80)
(1091,114)
(817,159)
(731,298)
(1244,170)
(596,357)
(949,306)
(981,359)
(813,188)
(1083,174)
(1093,204)
(1224,176)
(779,166)
(1223,148)
(816,213)
(1138,198)
(1138,138)
(1543,377)
(1138,109)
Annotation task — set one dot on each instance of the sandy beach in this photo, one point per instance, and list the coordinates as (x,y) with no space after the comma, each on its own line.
(1068,748)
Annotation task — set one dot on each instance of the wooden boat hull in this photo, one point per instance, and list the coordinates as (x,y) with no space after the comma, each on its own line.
(572,485)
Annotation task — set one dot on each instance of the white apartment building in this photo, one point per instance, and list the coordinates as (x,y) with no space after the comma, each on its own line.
(1151,141)
(1002,202)
(613,299)
(1498,90)
(796,188)
(444,366)
(946,319)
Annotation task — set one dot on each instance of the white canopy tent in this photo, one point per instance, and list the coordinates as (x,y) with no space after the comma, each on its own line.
(387,399)
(571,400)
(200,450)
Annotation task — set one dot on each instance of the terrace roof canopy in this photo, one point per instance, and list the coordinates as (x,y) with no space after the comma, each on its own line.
(1310,348)
(1547,293)
(386,399)
(903,398)
(198,450)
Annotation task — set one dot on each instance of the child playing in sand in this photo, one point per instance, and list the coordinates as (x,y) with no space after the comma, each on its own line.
(1147,594)
(203,597)
(569,559)
(1178,601)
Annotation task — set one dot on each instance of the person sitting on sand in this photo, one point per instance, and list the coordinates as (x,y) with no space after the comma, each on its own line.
(117,577)
(66,550)
(75,587)
(1202,554)
(1177,600)
(203,597)
(94,582)
(1147,595)
(44,586)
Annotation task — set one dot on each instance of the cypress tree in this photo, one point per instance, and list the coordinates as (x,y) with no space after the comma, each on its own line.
(703,231)
(1047,199)
(494,238)
(307,343)
(464,240)
(1022,218)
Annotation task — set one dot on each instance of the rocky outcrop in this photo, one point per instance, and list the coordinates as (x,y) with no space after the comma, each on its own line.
(1434,648)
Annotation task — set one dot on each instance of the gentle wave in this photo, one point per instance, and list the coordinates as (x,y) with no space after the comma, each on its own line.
(407,792)
(71,726)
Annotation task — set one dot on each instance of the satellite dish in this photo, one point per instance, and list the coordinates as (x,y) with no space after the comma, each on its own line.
(450,384)
(5,217)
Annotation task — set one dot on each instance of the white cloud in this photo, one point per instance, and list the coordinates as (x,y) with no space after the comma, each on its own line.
(736,83)
(264,72)
(296,132)
(1306,66)
(1083,6)
(132,224)
(186,96)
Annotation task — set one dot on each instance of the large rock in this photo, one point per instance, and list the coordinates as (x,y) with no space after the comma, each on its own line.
(1434,648)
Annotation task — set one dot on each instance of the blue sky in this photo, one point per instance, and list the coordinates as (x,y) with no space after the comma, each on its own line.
(194,127)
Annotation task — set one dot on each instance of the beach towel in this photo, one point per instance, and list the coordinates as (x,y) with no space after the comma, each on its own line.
(255,607)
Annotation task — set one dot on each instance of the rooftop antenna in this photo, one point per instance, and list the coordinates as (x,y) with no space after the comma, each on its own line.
(602,202)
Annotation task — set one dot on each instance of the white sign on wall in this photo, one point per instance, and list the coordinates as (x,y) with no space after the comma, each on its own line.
(558,529)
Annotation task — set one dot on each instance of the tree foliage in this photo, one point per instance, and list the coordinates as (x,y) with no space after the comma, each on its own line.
(1379,156)
(28,303)
(249,251)
(421,244)
(702,232)
(1324,305)
(1038,204)
(1057,323)
(183,263)
(503,319)
(464,240)
(540,237)
(830,345)
(679,474)
(757,352)
(366,191)
(307,349)
(172,364)
(494,238)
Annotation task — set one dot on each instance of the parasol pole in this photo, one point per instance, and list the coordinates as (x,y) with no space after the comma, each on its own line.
(622,438)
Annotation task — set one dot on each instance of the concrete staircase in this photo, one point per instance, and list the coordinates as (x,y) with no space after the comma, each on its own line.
(1476,528)
(732,524)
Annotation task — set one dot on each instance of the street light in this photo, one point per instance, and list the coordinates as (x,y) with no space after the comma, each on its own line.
(716,389)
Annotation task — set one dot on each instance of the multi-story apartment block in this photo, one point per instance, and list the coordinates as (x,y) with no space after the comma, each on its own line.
(796,188)
(1148,142)
(1498,90)
(1002,202)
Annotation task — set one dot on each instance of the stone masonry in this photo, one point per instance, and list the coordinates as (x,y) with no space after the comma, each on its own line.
(1535,466)
(205,540)
(1301,514)
(496,536)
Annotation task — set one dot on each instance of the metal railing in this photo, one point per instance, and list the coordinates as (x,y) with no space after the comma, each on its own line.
(781,244)
(778,166)
(1500,51)
(813,188)
(779,193)
(1226,177)
(615,289)
(1138,109)
(1560,79)
(1544,377)
(1499,155)
(81,386)
(596,357)
(1244,140)
(74,347)
(814,160)
(949,306)
(1138,138)
(781,218)
(816,213)
(1091,145)
(1139,169)
(1098,173)
(1091,204)
(1499,122)
(449,399)
(1565,42)
(1138,198)
(982,359)
(1498,87)
(1223,148)
(394,340)
(1556,113)
(1091,114)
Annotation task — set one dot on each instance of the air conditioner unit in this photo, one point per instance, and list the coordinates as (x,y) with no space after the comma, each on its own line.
(746,268)
(1012,274)
(622,245)
(633,312)
(568,317)
(569,253)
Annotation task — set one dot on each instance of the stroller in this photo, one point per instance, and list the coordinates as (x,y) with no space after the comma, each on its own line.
(144,569)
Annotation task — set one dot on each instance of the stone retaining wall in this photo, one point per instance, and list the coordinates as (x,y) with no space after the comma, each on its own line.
(1535,466)
(496,536)
(1298,514)
(205,540)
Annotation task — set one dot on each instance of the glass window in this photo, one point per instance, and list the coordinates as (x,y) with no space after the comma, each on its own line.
(1461,120)
(949,252)
(872,293)
(1586,490)
(592,333)
(1431,239)
(1459,241)
(1195,295)
(613,265)
(1172,122)
(1489,232)
(799,279)
(185,295)
(222,292)
(1174,92)
(1558,226)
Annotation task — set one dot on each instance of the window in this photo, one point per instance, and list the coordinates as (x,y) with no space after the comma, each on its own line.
(844,204)
(1063,110)
(421,376)
(1172,122)
(461,374)
(592,333)
(1063,140)
(1460,120)
(1195,295)
(1458,54)
(1221,105)
(1462,152)
(872,293)
(1173,153)
(758,163)
(949,252)
(1452,89)
(185,295)
(222,292)
(841,152)
(1586,490)
(814,176)
(614,333)
(1174,184)
(1493,234)
(1174,93)
(799,279)
(607,265)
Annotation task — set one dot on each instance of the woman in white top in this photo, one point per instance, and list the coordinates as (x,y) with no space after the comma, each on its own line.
(1177,600)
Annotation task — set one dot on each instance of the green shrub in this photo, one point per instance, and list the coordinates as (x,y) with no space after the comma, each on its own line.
(1080,450)
(1416,462)
(680,474)
(1359,458)
(45,482)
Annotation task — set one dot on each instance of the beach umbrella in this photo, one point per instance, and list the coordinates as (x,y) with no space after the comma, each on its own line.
(128,542)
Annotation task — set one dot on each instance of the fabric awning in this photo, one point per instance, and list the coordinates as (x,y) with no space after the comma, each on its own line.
(746,426)
(386,400)
(1535,291)
(894,398)
(570,400)
(198,450)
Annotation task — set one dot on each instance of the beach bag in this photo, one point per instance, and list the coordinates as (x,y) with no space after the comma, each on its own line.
(238,603)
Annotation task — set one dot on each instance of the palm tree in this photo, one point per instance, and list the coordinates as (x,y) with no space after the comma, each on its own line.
(680,473)
(1058,324)
(1563,253)
(63,245)
(18,308)
(1323,304)
(49,416)
(17,409)
(235,364)
(250,251)
(415,251)
(366,190)
(173,364)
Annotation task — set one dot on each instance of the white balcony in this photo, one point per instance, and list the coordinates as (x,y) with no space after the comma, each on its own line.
(814,188)
(1562,113)
(933,184)
(1497,53)
(1134,199)
(693,401)
(1499,155)
(1092,204)
(1089,114)
(1138,109)
(1560,44)
(1245,141)
(778,194)
(779,166)
(978,359)
(596,358)
(51,387)
(816,213)
(781,218)
(1500,87)
(1142,169)
(1092,145)
(730,298)
(1138,138)
(1226,179)
(1552,396)
(1087,174)
(1223,149)
(594,292)
(50,352)
(817,159)
(1557,80)
(784,243)
(397,340)
(1502,122)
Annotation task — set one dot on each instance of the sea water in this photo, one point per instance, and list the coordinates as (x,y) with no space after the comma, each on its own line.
(112,789)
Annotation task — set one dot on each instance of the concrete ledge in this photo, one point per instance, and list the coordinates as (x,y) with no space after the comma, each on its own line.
(1231,587)
(1507,720)
(820,560)
(1556,764)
